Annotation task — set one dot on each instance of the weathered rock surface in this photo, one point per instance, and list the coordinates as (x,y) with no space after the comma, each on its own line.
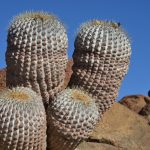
(68,73)
(139,104)
(134,102)
(2,78)
(120,129)
(145,111)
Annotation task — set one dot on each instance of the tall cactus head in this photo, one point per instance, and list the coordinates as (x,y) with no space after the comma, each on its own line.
(22,120)
(101,59)
(36,54)
(72,115)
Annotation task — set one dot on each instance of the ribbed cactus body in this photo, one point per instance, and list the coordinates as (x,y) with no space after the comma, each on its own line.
(22,120)
(36,54)
(72,115)
(101,59)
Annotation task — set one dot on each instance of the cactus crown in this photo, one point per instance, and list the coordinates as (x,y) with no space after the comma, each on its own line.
(21,94)
(18,95)
(108,24)
(43,17)
(81,96)
(36,15)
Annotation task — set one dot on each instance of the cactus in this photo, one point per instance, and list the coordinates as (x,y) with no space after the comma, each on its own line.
(36,54)
(22,120)
(72,117)
(101,59)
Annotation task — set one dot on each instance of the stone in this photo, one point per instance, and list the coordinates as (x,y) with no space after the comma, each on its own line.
(134,102)
(120,129)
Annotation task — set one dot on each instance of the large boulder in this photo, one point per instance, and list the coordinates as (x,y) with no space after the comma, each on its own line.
(120,129)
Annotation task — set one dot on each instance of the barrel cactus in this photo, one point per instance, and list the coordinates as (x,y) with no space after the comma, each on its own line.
(72,117)
(36,54)
(101,59)
(22,120)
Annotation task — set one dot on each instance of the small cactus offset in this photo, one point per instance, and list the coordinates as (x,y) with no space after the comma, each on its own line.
(101,59)
(36,54)
(72,117)
(22,120)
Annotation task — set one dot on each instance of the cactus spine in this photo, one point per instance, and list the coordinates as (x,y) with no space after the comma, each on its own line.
(101,59)
(72,116)
(22,120)
(36,54)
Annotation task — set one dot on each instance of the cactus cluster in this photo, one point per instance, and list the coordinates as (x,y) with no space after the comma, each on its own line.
(22,120)
(101,59)
(36,54)
(36,59)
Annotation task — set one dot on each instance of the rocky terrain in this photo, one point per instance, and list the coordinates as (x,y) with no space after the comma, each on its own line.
(120,129)
(123,127)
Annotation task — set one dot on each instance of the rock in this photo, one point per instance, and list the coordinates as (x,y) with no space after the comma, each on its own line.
(145,111)
(134,102)
(139,104)
(68,73)
(95,146)
(2,78)
(120,129)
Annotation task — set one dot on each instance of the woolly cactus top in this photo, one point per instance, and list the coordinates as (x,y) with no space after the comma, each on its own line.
(36,16)
(95,22)
(21,95)
(80,96)
(77,96)
(40,17)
